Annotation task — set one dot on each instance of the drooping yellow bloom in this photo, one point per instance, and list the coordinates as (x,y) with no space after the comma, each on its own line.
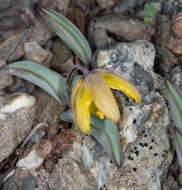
(92,93)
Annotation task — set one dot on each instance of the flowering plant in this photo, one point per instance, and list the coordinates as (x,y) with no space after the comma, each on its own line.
(94,108)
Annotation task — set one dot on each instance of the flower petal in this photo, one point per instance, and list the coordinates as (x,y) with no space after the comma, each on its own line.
(80,107)
(74,94)
(118,83)
(102,96)
(94,110)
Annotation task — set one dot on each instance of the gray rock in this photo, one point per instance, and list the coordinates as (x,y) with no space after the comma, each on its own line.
(4,4)
(176,76)
(10,184)
(102,30)
(34,52)
(16,117)
(143,130)
(11,49)
(6,80)
(62,60)
(29,183)
(63,6)
(69,174)
(106,3)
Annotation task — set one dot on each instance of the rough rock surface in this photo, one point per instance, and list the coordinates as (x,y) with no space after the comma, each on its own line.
(148,155)
(6,80)
(34,52)
(106,29)
(106,3)
(143,129)
(16,118)
(62,61)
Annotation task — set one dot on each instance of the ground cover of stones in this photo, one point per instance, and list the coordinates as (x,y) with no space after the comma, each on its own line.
(57,156)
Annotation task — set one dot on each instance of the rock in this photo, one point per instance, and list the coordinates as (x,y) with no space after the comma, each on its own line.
(132,61)
(6,80)
(16,118)
(10,184)
(180,177)
(49,110)
(29,183)
(125,5)
(170,35)
(167,7)
(85,3)
(146,124)
(42,180)
(147,150)
(40,32)
(84,167)
(166,59)
(68,174)
(34,52)
(20,86)
(63,6)
(106,3)
(176,76)
(62,60)
(12,48)
(171,183)
(103,28)
(4,4)
(20,175)
(35,157)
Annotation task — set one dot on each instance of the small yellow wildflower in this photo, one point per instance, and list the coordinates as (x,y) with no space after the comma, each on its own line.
(91,93)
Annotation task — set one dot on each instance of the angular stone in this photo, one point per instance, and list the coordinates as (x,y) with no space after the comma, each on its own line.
(129,29)
(6,80)
(16,117)
(12,48)
(34,52)
(70,175)
(106,3)
(149,155)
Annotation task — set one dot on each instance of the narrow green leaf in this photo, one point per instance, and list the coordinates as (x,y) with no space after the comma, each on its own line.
(178,146)
(110,131)
(175,114)
(146,20)
(150,9)
(69,34)
(41,76)
(106,133)
(175,102)
(175,95)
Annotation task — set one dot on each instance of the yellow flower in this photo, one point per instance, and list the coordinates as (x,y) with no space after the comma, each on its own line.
(91,93)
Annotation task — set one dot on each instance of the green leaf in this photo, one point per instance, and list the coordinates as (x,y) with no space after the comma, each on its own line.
(69,34)
(50,81)
(175,114)
(174,92)
(146,20)
(175,102)
(150,9)
(178,146)
(106,133)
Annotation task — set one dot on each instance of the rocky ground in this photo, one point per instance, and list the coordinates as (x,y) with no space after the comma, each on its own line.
(39,151)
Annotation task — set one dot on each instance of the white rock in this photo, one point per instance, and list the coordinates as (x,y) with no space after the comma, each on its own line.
(16,117)
(31,161)
(20,102)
